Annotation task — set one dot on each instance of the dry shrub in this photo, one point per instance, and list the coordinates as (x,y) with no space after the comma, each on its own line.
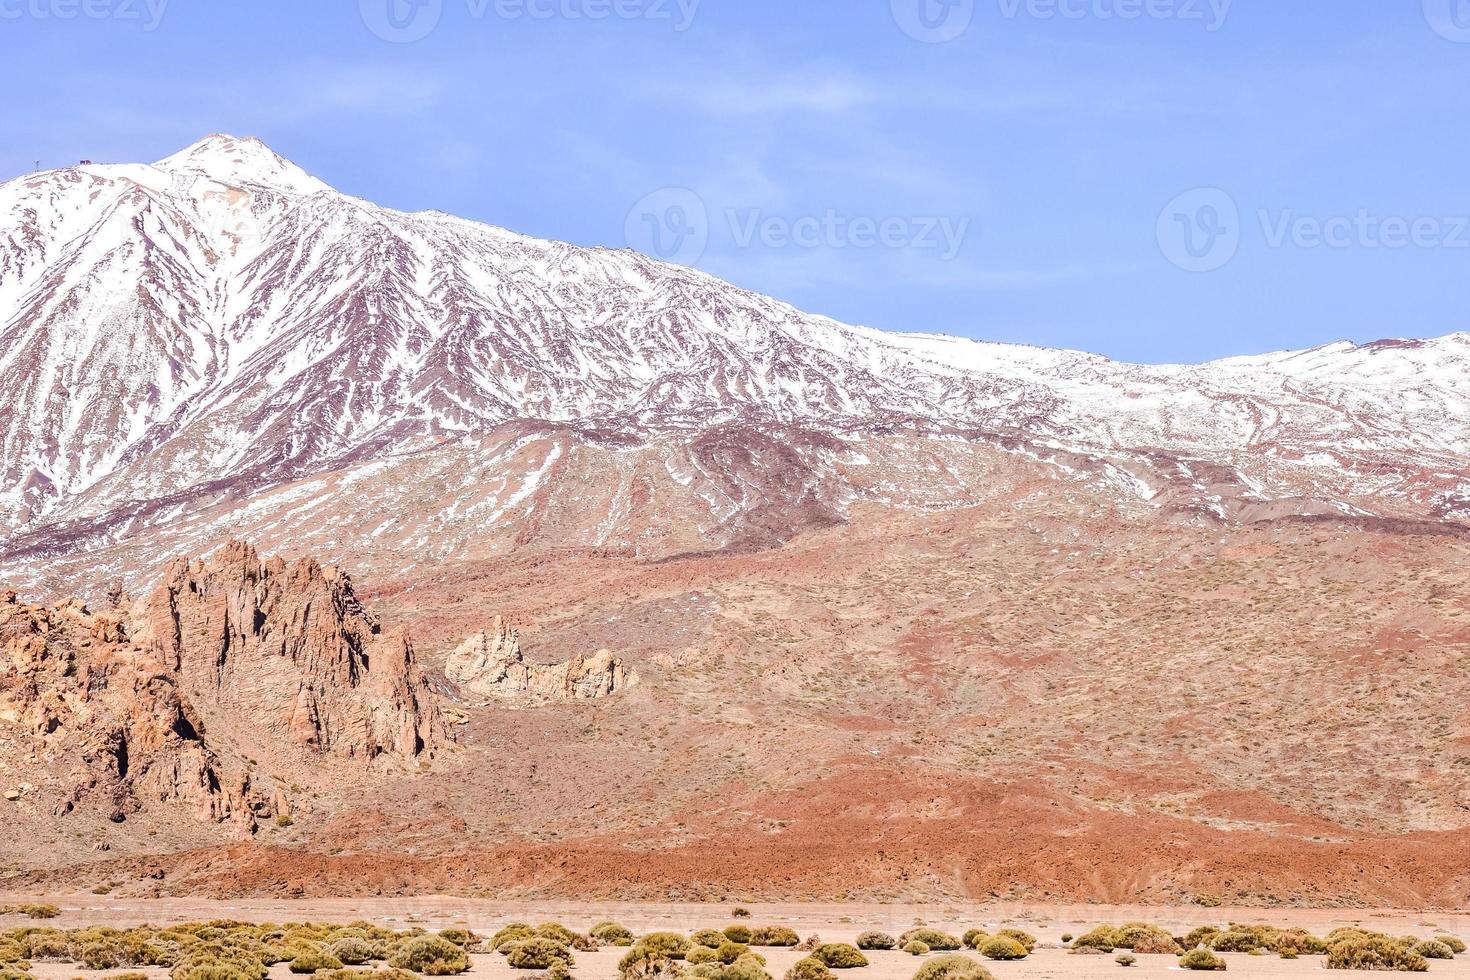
(1201,959)
(876,940)
(840,956)
(953,967)
(1003,948)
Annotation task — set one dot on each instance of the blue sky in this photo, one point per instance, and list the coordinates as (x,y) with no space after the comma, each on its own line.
(1156,180)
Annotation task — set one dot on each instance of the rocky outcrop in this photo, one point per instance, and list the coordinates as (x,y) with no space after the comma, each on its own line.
(286,655)
(229,668)
(491,664)
(98,722)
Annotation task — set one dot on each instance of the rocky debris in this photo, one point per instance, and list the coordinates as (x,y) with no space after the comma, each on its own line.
(491,664)
(288,655)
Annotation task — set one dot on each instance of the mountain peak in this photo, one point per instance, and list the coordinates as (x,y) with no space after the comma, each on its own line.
(247,161)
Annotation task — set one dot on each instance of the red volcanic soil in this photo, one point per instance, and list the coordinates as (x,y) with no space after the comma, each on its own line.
(956,707)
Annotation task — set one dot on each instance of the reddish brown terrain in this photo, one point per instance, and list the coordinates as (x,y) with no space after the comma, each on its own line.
(977,704)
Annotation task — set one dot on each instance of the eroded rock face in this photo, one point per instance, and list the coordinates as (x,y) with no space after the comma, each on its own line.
(287,655)
(230,668)
(102,723)
(491,664)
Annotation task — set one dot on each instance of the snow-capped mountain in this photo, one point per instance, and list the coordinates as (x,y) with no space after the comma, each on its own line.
(220,339)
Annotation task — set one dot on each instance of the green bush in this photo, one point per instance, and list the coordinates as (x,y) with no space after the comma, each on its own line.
(708,937)
(972,936)
(1457,946)
(513,933)
(810,968)
(915,948)
(1373,952)
(1104,939)
(1003,948)
(670,945)
(747,967)
(740,912)
(1024,938)
(738,933)
(431,956)
(102,954)
(1433,949)
(1201,959)
(538,954)
(649,962)
(1141,937)
(773,936)
(558,932)
(840,956)
(212,971)
(46,944)
(353,950)
(463,938)
(612,934)
(729,952)
(953,967)
(1199,937)
(876,940)
(701,954)
(932,938)
(1236,941)
(313,960)
(1126,959)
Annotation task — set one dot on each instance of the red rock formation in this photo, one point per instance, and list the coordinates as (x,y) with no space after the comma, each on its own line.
(103,722)
(287,655)
(230,667)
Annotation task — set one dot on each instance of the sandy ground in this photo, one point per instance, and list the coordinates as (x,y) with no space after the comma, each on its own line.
(833,922)
(1044,963)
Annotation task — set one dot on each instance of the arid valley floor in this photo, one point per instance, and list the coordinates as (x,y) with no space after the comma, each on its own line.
(833,922)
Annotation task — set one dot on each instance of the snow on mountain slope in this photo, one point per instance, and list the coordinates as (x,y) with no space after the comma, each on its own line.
(220,324)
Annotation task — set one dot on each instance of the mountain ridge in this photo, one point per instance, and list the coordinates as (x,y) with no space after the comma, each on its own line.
(221,325)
